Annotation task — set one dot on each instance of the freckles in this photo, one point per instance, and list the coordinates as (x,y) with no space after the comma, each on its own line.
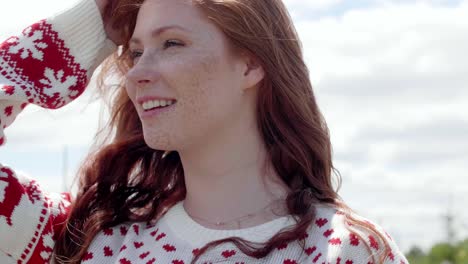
(156,137)
(197,81)
(200,86)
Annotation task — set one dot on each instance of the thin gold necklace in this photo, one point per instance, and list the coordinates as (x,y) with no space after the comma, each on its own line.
(237,220)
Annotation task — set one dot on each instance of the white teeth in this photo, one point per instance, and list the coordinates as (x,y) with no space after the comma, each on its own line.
(157,103)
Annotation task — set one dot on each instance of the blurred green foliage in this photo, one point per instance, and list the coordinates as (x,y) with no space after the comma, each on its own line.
(442,253)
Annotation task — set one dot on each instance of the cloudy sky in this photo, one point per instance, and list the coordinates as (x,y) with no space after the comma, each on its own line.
(391,77)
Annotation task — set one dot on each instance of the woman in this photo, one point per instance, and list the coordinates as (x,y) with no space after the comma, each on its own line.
(215,136)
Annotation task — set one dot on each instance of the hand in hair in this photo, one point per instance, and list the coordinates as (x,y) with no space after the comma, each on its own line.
(106,7)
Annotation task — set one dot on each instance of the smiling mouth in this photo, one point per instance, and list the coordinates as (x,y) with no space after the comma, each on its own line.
(157,104)
(152,112)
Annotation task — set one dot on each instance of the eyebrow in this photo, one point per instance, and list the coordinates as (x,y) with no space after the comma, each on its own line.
(155,33)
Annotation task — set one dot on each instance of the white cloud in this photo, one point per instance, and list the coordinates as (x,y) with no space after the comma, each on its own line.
(73,125)
(391,81)
(363,39)
(20,13)
(311,5)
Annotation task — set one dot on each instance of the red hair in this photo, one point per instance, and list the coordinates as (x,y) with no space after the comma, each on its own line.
(145,185)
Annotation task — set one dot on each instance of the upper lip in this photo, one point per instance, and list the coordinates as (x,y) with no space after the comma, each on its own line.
(147,98)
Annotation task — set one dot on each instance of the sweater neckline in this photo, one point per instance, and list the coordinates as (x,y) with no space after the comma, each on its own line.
(187,229)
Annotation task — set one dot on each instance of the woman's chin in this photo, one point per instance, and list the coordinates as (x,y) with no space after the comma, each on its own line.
(158,143)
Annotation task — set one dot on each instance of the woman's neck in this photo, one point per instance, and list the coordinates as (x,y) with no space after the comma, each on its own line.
(231,179)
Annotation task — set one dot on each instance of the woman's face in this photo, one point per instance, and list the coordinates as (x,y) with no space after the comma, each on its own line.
(179,54)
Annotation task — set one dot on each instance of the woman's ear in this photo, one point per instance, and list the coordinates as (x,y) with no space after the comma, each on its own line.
(253,73)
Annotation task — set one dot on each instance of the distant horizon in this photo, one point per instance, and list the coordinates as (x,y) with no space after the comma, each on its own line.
(390,78)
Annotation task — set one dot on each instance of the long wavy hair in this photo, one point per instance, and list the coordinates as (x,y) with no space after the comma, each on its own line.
(123,179)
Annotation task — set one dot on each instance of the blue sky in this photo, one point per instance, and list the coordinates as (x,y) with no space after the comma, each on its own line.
(390,78)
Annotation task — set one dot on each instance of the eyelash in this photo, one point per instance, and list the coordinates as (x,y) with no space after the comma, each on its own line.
(173,42)
(167,44)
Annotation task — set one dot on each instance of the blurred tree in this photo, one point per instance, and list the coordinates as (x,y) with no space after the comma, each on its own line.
(417,256)
(461,254)
(442,253)
(416,252)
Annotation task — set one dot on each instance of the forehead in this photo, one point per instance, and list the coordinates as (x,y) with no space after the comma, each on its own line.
(159,13)
(155,15)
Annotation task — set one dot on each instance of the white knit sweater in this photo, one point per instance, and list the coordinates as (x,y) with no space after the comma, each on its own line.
(49,64)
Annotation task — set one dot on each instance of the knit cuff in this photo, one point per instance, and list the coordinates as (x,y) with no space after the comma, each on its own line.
(82,29)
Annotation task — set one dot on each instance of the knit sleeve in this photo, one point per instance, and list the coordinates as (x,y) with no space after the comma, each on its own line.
(334,239)
(362,246)
(49,64)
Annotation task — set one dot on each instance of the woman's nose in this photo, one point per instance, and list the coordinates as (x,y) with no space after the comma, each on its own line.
(142,74)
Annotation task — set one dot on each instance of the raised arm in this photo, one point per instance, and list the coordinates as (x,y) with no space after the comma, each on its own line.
(49,64)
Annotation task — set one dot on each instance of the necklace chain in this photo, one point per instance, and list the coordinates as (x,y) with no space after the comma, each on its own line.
(237,220)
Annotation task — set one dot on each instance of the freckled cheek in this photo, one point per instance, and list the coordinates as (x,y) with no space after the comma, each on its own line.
(197,87)
(193,81)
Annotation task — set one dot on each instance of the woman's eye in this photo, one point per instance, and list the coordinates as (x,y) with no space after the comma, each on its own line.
(171,43)
(135,54)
